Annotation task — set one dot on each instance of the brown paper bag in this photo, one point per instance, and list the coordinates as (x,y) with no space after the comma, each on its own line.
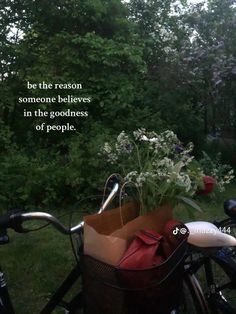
(105,236)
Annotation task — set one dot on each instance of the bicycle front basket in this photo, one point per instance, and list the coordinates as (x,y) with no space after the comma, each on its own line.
(110,290)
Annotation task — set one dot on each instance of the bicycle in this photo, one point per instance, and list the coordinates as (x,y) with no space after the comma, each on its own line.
(213,269)
(193,298)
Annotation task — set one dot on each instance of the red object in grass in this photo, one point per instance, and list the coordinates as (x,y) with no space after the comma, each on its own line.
(209,184)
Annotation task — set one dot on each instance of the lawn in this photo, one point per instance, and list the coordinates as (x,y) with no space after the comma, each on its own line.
(36,263)
(212,207)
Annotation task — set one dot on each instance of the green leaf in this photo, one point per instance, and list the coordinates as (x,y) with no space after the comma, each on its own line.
(190,214)
(190,202)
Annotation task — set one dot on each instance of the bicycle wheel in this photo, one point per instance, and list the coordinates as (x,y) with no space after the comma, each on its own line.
(225,271)
(193,300)
(220,293)
(217,278)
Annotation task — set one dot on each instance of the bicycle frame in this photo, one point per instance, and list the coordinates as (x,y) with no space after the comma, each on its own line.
(6,306)
(62,291)
(214,295)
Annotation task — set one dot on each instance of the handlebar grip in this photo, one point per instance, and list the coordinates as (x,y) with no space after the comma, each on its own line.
(11,220)
(5,221)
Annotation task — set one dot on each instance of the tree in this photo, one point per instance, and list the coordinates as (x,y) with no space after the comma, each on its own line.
(210,59)
(91,42)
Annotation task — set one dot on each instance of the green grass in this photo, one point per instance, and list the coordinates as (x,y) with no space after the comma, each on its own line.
(212,207)
(36,263)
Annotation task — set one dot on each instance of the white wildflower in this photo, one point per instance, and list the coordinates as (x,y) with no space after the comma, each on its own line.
(123,144)
(138,134)
(130,175)
(107,148)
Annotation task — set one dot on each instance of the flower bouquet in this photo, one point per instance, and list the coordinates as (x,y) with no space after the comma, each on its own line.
(158,168)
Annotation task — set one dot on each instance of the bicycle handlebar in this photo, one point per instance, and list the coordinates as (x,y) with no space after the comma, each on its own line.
(15,220)
(51,219)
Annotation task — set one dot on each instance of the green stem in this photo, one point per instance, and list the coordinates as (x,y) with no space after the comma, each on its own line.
(138,156)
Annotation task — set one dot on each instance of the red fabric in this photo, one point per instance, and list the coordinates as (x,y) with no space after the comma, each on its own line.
(144,251)
(139,266)
(149,248)
(209,184)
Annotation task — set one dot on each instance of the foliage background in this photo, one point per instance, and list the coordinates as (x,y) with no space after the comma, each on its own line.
(157,64)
